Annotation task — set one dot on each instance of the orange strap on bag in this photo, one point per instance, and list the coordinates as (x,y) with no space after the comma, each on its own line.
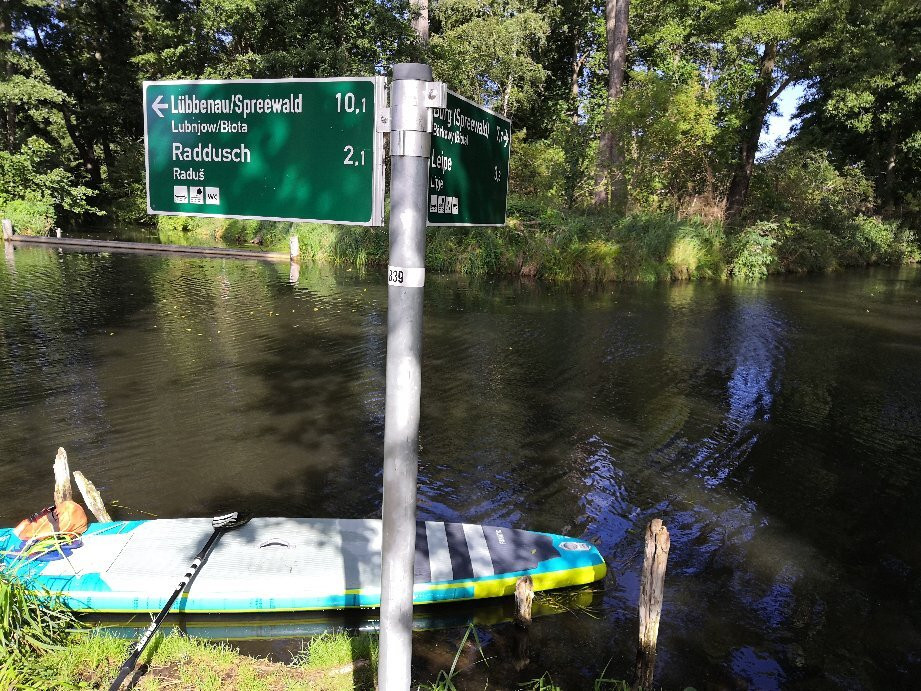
(66,517)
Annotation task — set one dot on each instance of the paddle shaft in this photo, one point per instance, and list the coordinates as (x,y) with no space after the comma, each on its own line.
(135,655)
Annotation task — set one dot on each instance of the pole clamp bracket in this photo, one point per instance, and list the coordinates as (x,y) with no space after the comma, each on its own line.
(412,108)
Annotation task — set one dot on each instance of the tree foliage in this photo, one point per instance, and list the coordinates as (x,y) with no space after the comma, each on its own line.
(487,49)
(805,185)
(667,128)
(868,112)
(701,79)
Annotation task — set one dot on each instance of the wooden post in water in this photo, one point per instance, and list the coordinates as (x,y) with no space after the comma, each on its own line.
(524,597)
(294,273)
(8,245)
(92,497)
(521,632)
(652,590)
(62,489)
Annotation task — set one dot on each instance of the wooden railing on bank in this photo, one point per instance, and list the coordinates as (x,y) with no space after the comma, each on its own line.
(142,247)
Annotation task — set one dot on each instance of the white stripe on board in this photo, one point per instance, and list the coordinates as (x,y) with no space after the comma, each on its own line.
(439,554)
(479,551)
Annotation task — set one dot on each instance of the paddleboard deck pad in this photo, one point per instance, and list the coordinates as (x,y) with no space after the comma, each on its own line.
(290,564)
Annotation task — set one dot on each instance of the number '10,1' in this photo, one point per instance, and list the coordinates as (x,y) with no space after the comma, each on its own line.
(346,102)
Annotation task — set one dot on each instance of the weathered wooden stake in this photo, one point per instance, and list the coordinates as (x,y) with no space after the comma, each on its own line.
(652,590)
(524,597)
(62,489)
(92,497)
(7,229)
(295,246)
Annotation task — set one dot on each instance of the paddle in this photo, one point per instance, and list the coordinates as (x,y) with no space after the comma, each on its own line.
(221,525)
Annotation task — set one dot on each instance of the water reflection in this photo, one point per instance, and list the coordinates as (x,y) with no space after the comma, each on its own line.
(754,334)
(774,427)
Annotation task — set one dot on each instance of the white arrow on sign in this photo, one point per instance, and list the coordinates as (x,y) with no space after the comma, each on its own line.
(158,105)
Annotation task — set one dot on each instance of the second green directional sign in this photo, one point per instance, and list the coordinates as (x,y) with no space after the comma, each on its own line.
(288,149)
(468,170)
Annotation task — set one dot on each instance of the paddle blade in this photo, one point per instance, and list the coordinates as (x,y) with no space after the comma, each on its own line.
(229,521)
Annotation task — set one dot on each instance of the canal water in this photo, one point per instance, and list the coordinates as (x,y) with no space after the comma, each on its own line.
(775,427)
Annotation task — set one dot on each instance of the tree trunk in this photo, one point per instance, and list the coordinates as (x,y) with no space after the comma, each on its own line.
(6,27)
(889,180)
(578,61)
(421,20)
(85,149)
(107,156)
(616,80)
(609,173)
(750,134)
(574,79)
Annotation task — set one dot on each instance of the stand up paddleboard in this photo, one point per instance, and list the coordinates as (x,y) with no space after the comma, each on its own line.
(291,564)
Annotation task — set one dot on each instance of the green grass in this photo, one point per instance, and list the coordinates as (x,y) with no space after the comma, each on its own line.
(353,659)
(29,628)
(331,662)
(585,247)
(45,647)
(449,680)
(29,217)
(545,683)
(445,679)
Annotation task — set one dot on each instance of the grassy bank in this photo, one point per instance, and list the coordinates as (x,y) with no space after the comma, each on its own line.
(90,660)
(330,662)
(578,246)
(44,646)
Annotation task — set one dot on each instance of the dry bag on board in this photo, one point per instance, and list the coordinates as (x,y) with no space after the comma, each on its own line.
(66,517)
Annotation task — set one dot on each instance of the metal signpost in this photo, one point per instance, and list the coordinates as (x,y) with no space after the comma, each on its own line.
(468,172)
(272,149)
(413,96)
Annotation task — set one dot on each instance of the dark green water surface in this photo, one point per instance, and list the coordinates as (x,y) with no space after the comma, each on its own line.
(775,428)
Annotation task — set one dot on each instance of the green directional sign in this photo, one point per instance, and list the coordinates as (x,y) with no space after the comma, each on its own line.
(468,171)
(273,149)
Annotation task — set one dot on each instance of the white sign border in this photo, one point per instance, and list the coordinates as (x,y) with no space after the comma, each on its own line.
(481,225)
(378,182)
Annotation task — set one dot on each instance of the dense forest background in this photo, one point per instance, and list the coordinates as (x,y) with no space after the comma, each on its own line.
(639,125)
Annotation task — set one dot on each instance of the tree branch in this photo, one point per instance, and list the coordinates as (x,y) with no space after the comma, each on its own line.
(783,85)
